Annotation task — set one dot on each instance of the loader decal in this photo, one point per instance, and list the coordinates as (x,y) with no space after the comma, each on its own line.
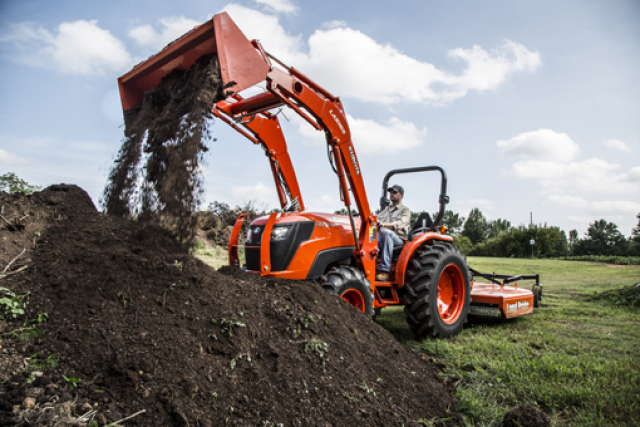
(353,159)
(335,117)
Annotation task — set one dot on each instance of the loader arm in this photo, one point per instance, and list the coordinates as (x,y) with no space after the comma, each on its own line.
(264,129)
(324,111)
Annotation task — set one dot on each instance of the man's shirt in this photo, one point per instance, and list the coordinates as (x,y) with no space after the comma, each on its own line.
(400,218)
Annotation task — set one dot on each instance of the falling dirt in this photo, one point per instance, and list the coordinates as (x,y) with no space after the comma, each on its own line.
(137,324)
(169,133)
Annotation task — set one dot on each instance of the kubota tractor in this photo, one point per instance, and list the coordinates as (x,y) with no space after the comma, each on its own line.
(429,275)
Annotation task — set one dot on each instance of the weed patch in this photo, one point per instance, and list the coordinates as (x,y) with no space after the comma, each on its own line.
(626,297)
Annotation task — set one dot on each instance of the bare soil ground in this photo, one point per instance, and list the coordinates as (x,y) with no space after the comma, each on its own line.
(145,326)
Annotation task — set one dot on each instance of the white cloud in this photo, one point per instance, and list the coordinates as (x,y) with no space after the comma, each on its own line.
(482,203)
(633,175)
(543,144)
(371,137)
(10,159)
(283,6)
(267,29)
(575,202)
(353,64)
(79,47)
(170,29)
(597,207)
(617,145)
(590,176)
(259,193)
(324,203)
(330,25)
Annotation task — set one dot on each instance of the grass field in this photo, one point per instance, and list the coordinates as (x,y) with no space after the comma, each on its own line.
(577,360)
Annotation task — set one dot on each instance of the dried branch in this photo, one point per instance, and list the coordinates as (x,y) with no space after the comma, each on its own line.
(13,260)
(128,418)
(8,223)
(11,273)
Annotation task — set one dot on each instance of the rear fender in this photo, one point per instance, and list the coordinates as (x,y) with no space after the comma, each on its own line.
(409,249)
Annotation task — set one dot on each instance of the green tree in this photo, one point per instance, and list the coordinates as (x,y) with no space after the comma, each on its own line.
(550,241)
(10,183)
(602,238)
(463,243)
(635,234)
(498,226)
(453,221)
(476,227)
(573,239)
(634,240)
(344,212)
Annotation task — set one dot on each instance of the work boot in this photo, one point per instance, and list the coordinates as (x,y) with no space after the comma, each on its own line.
(382,276)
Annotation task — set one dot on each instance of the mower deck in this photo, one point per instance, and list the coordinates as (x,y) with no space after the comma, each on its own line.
(500,300)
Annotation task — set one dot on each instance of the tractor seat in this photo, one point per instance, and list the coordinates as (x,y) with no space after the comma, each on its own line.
(422,224)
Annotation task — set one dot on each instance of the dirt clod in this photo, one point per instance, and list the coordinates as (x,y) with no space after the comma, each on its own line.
(525,416)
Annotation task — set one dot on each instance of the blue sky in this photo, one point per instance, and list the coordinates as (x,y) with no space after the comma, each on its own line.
(529,106)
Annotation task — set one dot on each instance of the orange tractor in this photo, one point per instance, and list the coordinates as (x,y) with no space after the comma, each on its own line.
(429,275)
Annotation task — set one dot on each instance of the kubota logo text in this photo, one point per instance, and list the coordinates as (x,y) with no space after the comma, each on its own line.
(353,159)
(517,306)
(335,117)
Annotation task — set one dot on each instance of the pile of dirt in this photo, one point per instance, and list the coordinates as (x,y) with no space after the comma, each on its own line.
(171,128)
(137,324)
(525,416)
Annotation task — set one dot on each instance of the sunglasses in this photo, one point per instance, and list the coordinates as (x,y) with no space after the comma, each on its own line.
(393,191)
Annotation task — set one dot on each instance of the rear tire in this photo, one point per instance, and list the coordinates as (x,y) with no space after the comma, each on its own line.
(437,291)
(351,285)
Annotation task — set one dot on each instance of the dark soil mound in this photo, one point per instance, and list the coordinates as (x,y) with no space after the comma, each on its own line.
(171,129)
(145,326)
(525,416)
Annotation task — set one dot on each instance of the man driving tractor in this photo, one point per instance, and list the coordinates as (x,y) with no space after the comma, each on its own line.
(394,222)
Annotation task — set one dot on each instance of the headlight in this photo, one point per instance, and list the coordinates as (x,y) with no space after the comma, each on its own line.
(280,232)
(249,234)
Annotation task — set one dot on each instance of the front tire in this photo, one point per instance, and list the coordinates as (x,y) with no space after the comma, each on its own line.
(351,285)
(437,291)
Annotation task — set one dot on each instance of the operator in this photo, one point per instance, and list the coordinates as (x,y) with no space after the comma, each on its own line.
(394,222)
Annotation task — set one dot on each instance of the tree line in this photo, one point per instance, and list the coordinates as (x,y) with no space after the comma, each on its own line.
(476,235)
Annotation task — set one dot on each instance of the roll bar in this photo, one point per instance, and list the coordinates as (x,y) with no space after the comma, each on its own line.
(443,199)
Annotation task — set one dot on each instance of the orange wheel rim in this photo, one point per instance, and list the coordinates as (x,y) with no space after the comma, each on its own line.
(451,294)
(355,298)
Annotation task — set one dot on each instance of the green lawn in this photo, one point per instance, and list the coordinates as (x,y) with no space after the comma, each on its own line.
(577,360)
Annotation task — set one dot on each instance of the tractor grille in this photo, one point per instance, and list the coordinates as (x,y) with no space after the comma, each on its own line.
(282,251)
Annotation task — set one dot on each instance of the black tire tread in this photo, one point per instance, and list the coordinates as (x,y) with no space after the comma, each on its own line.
(344,277)
(421,317)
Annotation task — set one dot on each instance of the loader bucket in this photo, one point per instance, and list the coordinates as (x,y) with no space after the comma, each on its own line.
(240,62)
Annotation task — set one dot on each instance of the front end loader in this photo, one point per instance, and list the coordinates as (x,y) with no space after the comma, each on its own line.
(429,276)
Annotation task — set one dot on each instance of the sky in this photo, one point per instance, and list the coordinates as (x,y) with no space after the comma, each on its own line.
(532,108)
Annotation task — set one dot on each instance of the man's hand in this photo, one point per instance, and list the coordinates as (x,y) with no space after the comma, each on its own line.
(386,225)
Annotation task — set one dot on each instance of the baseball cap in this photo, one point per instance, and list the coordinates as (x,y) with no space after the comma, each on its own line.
(396,188)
